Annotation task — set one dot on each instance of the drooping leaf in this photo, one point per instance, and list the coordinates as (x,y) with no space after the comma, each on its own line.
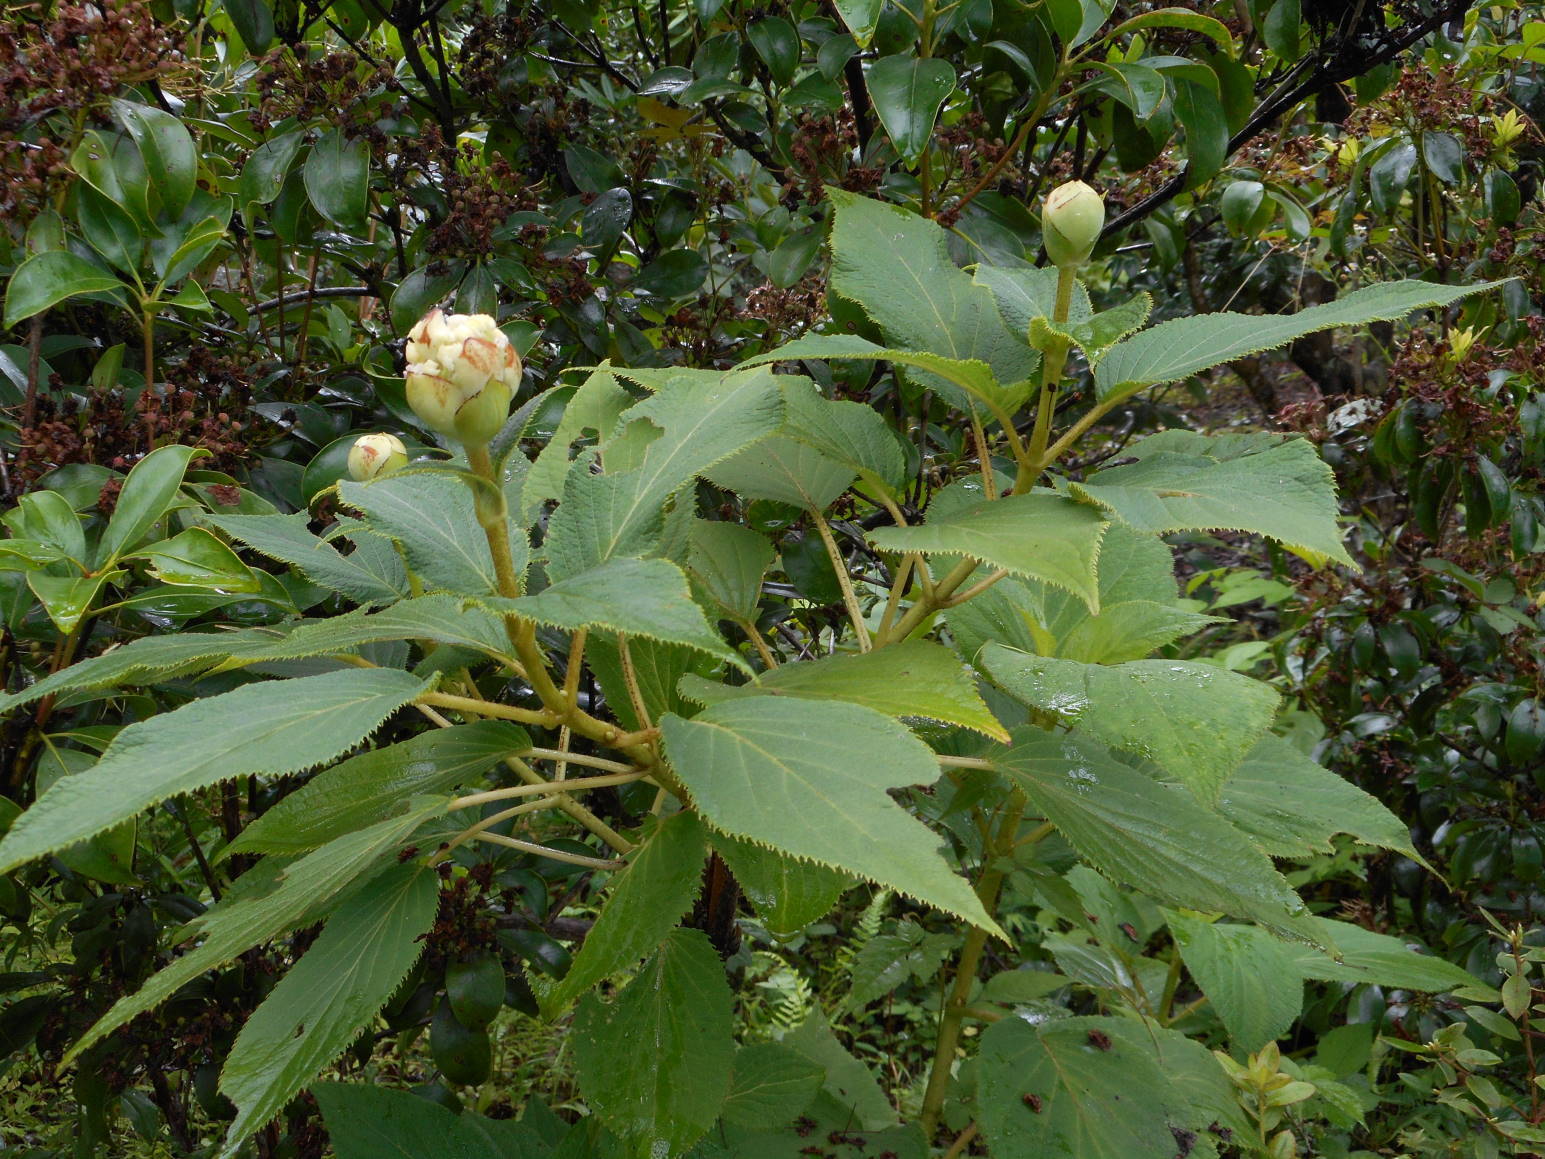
(329,996)
(1096,1088)
(1175,350)
(301,891)
(280,726)
(759,767)
(644,903)
(337,176)
(1291,805)
(1039,617)
(655,1063)
(787,893)
(1377,959)
(643,597)
(913,678)
(729,561)
(972,375)
(1148,835)
(48,278)
(371,786)
(1196,721)
(1042,536)
(1184,481)
(907,92)
(850,1085)
(441,618)
(364,579)
(171,157)
(142,661)
(1248,977)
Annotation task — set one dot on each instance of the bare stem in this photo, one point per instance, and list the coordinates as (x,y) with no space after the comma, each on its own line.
(572,785)
(553,854)
(844,581)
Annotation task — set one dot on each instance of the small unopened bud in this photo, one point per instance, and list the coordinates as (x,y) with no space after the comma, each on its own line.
(1071,219)
(373,455)
(462,375)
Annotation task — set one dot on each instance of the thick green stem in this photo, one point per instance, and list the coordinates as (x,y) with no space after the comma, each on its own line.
(956,1001)
(1053,361)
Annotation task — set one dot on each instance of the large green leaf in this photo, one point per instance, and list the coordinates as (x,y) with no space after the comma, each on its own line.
(655,1063)
(784,470)
(337,177)
(302,891)
(729,560)
(816,453)
(1247,975)
(1023,295)
(907,92)
(329,996)
(1377,959)
(787,893)
(1145,834)
(644,903)
(760,767)
(771,1085)
(1133,568)
(913,678)
(1174,350)
(1291,805)
(643,597)
(443,618)
(364,578)
(280,726)
(896,266)
(371,1122)
(1196,721)
(150,489)
(46,279)
(430,515)
(592,412)
(371,786)
(1184,481)
(701,420)
(171,157)
(198,557)
(1097,1088)
(1043,536)
(142,661)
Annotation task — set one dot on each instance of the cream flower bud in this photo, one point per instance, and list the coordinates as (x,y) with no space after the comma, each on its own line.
(1071,219)
(373,455)
(462,375)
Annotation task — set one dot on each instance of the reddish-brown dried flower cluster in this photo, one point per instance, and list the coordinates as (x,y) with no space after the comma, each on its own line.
(821,152)
(480,199)
(337,87)
(206,403)
(69,64)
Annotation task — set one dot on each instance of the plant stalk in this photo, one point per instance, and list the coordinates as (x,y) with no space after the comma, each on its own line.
(953,1013)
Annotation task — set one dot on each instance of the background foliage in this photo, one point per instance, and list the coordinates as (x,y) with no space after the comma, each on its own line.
(220,222)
